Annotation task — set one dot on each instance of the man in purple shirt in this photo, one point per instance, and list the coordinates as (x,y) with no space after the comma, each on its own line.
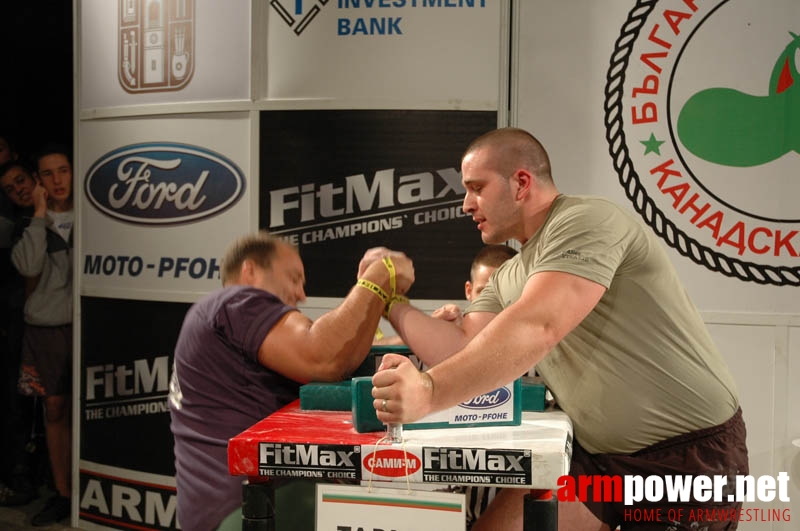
(244,351)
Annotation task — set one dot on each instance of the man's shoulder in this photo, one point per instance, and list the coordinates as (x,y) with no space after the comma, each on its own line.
(591,210)
(239,299)
(586,202)
(232,306)
(235,295)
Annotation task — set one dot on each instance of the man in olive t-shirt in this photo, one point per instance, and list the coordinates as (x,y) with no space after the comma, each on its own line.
(643,333)
(594,303)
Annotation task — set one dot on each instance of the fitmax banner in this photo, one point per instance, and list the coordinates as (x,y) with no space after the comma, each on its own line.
(126,362)
(336,183)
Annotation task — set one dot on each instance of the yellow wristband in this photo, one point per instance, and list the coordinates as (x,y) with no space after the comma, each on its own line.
(392,274)
(374,288)
(394,300)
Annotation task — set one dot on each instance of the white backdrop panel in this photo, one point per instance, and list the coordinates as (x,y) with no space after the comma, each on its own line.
(756,376)
(789,452)
(415,50)
(562,92)
(210,41)
(178,253)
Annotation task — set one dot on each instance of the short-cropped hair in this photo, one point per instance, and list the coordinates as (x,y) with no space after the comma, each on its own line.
(491,256)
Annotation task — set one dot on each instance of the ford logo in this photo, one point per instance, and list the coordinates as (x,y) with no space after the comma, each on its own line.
(489,400)
(163,183)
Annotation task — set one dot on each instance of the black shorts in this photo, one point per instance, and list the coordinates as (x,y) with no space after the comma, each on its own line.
(716,451)
(46,368)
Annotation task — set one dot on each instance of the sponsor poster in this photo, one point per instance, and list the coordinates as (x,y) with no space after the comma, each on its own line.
(337,183)
(341,508)
(117,498)
(326,462)
(500,407)
(163,198)
(493,466)
(399,50)
(126,444)
(136,52)
(447,465)
(685,113)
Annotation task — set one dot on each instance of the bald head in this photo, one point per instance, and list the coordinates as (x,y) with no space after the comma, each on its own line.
(510,149)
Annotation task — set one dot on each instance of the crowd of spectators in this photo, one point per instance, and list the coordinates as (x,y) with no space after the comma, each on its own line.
(36,231)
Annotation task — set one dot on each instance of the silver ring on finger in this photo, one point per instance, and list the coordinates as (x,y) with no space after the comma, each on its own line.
(383,406)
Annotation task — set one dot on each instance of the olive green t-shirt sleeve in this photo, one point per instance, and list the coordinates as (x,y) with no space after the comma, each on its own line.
(590,242)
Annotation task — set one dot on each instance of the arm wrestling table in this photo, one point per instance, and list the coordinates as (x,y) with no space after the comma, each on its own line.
(323,446)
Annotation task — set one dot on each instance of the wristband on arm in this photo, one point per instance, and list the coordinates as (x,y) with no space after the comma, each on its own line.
(374,288)
(389,300)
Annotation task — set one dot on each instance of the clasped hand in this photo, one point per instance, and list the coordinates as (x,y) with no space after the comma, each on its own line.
(402,394)
(404,267)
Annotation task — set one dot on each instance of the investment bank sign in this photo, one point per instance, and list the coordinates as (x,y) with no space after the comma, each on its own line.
(702,120)
(361,17)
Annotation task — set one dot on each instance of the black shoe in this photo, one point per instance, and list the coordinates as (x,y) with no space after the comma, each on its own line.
(10,497)
(56,509)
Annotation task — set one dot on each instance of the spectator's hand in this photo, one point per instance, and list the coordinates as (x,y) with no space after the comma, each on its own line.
(39,195)
(408,392)
(449,312)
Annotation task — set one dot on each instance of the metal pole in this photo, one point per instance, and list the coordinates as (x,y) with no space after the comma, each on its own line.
(258,506)
(540,511)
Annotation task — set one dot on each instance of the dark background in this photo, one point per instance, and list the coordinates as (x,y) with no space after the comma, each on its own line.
(326,146)
(115,331)
(36,51)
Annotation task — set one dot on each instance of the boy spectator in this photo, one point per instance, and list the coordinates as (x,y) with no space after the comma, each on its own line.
(43,255)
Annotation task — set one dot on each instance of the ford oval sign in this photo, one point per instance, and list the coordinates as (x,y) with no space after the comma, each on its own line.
(163,183)
(488,400)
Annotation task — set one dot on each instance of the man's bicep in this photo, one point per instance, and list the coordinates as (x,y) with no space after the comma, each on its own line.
(284,350)
(558,301)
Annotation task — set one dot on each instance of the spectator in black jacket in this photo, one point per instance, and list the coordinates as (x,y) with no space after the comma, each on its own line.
(16,411)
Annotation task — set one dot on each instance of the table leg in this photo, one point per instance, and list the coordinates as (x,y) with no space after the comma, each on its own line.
(540,511)
(258,506)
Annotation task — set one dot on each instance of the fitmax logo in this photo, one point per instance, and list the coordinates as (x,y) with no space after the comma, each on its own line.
(126,380)
(456,459)
(295,18)
(305,455)
(329,201)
